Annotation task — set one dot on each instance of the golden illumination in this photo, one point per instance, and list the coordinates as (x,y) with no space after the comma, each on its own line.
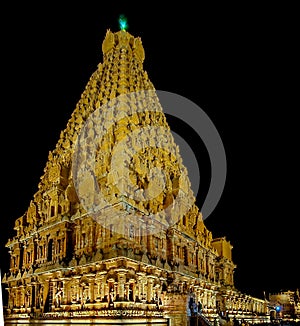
(64,264)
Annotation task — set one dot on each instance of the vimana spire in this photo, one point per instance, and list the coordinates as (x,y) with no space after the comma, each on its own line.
(96,247)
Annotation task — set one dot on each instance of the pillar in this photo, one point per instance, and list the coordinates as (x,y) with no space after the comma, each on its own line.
(92,289)
(150,288)
(64,295)
(54,288)
(121,285)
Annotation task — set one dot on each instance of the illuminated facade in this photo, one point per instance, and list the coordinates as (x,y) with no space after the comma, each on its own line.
(118,263)
(285,304)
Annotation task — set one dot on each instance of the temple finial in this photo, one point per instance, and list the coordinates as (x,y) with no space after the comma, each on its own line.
(123,23)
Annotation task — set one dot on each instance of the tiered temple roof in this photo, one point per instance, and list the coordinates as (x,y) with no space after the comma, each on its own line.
(114,222)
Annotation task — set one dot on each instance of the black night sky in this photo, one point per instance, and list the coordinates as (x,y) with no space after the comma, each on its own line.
(236,62)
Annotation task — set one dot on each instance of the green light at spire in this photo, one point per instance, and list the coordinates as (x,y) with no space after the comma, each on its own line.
(123,23)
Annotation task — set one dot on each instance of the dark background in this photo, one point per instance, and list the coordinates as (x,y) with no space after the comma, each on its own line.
(236,62)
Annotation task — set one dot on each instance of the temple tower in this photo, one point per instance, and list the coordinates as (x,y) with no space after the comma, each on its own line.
(113,231)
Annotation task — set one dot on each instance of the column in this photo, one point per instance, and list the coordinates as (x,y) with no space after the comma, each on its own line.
(77,237)
(64,295)
(45,252)
(10,298)
(142,282)
(22,296)
(139,288)
(150,281)
(98,293)
(76,288)
(121,285)
(209,299)
(105,289)
(91,289)
(54,288)
(115,287)
(132,290)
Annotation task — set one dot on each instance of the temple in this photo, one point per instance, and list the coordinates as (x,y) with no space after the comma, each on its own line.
(107,237)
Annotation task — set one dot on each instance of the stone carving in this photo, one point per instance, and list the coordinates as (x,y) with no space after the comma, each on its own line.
(108,42)
(111,268)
